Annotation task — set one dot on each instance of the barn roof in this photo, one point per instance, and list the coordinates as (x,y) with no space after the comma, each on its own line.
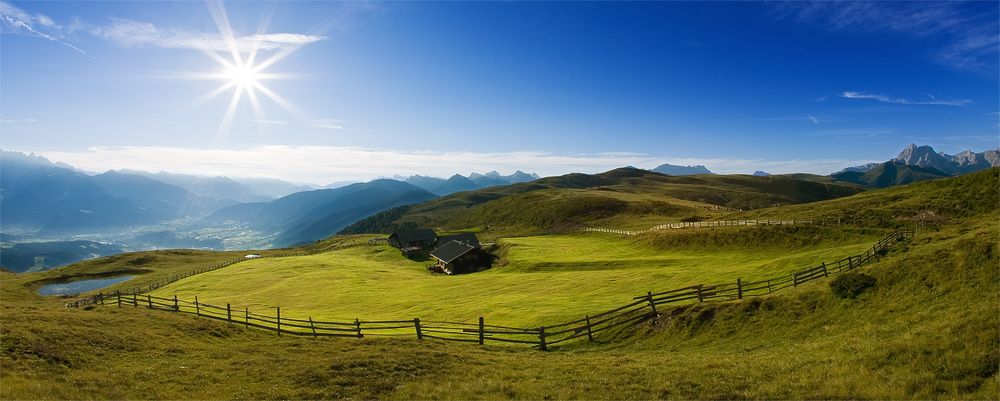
(451,251)
(420,234)
(465,238)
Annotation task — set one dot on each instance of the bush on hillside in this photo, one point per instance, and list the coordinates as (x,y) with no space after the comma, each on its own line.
(850,285)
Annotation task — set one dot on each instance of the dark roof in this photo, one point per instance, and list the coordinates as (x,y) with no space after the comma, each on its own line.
(451,251)
(420,234)
(465,238)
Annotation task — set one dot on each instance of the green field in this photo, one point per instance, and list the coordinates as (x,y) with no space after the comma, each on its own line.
(543,280)
(928,329)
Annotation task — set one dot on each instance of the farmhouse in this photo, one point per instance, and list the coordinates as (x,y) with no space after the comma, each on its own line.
(417,238)
(465,238)
(457,257)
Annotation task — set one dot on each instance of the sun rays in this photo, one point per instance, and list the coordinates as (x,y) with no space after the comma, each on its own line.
(240,71)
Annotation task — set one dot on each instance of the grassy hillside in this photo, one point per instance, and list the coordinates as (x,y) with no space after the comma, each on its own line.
(953,199)
(929,329)
(890,173)
(625,198)
(542,280)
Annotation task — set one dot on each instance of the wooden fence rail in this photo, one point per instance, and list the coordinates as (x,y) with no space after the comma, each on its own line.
(642,309)
(701,224)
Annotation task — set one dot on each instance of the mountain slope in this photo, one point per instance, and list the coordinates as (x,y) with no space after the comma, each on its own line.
(36,194)
(889,174)
(670,169)
(621,196)
(208,187)
(164,200)
(311,215)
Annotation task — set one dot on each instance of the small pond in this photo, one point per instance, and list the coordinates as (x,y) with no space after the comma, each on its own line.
(77,287)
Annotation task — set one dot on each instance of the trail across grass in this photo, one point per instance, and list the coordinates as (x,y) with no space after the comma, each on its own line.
(545,279)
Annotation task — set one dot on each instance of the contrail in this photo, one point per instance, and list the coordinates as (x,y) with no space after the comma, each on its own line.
(23,25)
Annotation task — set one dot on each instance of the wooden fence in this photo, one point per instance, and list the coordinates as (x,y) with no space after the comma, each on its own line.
(702,224)
(642,308)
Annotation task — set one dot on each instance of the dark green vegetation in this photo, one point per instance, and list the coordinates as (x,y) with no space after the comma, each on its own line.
(948,200)
(929,329)
(890,174)
(622,198)
(37,256)
(850,285)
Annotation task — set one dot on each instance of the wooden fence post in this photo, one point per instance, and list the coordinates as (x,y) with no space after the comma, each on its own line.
(652,305)
(100,295)
(481,331)
(246,323)
(149,301)
(177,307)
(118,294)
(825,272)
(229,313)
(278,319)
(541,339)
(768,286)
(416,326)
(197,307)
(311,326)
(590,334)
(357,323)
(739,288)
(850,263)
(700,298)
(135,302)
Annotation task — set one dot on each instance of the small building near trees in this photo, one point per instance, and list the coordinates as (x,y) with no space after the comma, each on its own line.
(416,238)
(457,257)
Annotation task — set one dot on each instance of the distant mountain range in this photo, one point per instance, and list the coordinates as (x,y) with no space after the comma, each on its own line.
(36,194)
(918,163)
(312,215)
(670,169)
(459,183)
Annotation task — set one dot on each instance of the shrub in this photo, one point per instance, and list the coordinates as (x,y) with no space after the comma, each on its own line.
(850,285)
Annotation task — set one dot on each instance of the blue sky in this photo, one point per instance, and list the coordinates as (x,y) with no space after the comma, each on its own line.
(375,89)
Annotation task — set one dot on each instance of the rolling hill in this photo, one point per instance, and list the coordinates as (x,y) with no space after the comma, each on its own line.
(889,174)
(928,329)
(625,196)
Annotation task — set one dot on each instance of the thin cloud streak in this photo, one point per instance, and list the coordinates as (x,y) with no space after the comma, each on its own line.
(19,19)
(323,164)
(899,100)
(129,33)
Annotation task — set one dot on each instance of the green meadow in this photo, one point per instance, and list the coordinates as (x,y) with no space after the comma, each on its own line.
(539,280)
(928,329)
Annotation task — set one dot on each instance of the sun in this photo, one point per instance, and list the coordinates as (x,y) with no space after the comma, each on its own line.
(242,71)
(241,76)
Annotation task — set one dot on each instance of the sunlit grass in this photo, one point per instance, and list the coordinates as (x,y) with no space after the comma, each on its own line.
(546,279)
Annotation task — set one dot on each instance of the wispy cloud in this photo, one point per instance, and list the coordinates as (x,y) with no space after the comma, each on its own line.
(327,123)
(322,164)
(899,100)
(14,120)
(129,33)
(966,33)
(814,120)
(20,20)
(270,122)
